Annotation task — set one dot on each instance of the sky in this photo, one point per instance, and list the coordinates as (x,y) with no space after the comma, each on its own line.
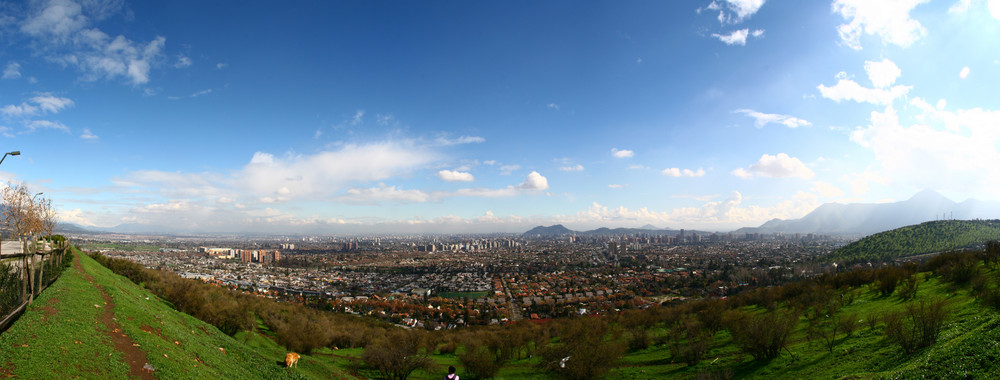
(467,116)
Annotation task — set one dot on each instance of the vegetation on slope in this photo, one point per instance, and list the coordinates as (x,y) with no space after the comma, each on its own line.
(936,236)
(62,335)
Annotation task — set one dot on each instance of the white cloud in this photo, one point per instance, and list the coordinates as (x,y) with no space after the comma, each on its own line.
(942,150)
(574,168)
(736,37)
(12,71)
(508,169)
(889,19)
(730,212)
(182,62)
(461,140)
(382,193)
(757,33)
(736,11)
(46,124)
(744,8)
(534,181)
(554,106)
(87,135)
(615,186)
(62,33)
(455,176)
(358,117)
(847,89)
(963,6)
(677,172)
(50,103)
(964,73)
(779,166)
(882,73)
(761,119)
(24,109)
(44,102)
(331,170)
(221,65)
(623,153)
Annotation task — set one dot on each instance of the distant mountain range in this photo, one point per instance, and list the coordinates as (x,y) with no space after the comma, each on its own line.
(560,230)
(869,218)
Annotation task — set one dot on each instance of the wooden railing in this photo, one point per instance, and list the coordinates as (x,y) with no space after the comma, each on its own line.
(30,267)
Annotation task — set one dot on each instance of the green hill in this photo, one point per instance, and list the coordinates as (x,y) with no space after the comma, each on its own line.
(93,323)
(936,236)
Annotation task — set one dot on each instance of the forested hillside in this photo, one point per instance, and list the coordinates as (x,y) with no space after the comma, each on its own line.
(936,236)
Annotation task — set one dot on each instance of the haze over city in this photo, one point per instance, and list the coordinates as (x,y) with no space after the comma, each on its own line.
(494,117)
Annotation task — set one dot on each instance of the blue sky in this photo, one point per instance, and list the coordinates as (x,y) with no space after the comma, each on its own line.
(340,117)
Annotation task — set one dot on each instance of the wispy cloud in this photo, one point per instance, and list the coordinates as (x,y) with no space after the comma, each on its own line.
(182,62)
(678,172)
(455,176)
(12,71)
(572,168)
(738,37)
(761,119)
(779,166)
(87,135)
(622,153)
(889,20)
(62,32)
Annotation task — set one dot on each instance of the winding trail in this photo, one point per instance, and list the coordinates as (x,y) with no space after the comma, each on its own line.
(135,357)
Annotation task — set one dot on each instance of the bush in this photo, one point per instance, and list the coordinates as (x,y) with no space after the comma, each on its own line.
(916,327)
(689,341)
(10,289)
(762,335)
(583,351)
(396,355)
(479,359)
(909,288)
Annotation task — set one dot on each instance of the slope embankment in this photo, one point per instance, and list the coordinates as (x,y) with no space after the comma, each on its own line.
(92,323)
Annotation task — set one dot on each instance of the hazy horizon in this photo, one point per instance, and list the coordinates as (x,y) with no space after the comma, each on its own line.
(488,117)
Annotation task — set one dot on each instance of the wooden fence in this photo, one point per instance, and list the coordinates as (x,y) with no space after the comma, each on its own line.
(30,267)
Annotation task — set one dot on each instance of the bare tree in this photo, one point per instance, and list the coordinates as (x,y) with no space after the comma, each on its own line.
(20,216)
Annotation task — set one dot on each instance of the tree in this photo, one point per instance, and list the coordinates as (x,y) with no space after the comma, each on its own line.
(396,355)
(481,357)
(21,218)
(916,327)
(762,335)
(689,340)
(584,351)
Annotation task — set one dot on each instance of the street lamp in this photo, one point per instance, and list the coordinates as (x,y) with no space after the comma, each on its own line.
(14,153)
(36,194)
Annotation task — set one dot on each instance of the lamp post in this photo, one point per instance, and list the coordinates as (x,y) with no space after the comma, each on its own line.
(14,153)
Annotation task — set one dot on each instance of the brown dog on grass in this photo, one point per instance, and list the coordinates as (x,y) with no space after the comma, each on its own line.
(291,359)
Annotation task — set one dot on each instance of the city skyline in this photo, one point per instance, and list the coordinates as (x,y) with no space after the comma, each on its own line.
(481,117)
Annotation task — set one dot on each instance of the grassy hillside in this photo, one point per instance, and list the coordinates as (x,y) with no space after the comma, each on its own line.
(918,239)
(95,324)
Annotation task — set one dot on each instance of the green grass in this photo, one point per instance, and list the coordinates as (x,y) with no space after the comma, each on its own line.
(176,344)
(180,346)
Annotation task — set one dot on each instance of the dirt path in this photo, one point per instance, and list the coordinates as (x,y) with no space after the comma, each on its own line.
(135,357)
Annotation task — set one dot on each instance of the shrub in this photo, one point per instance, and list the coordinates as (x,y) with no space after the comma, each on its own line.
(583,351)
(398,354)
(689,341)
(479,359)
(762,335)
(916,327)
